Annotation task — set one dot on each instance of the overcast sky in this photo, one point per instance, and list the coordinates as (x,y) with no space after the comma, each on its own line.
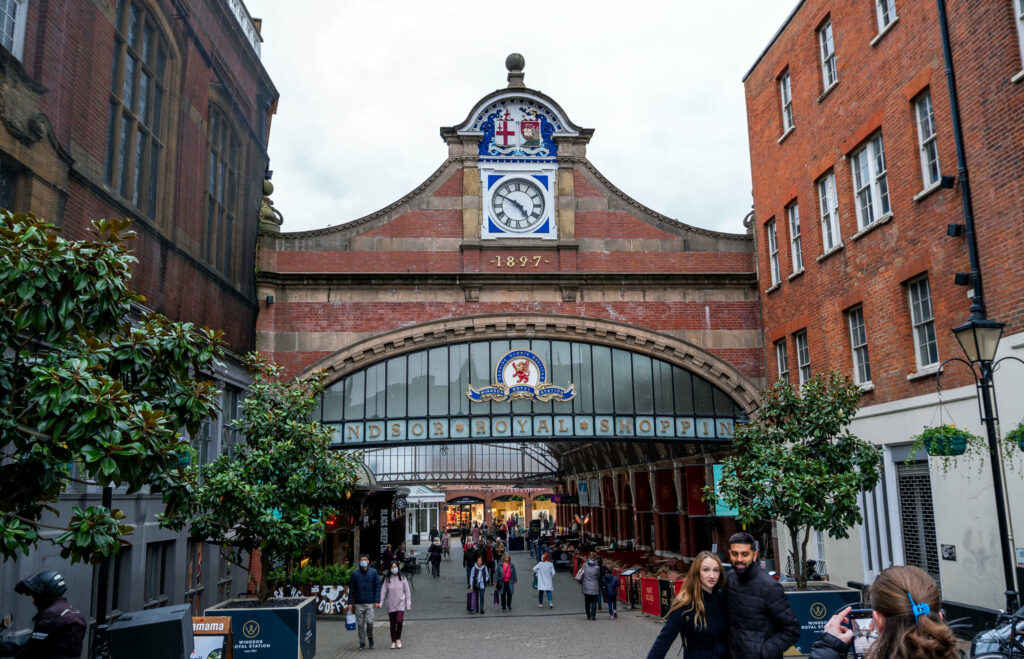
(365,85)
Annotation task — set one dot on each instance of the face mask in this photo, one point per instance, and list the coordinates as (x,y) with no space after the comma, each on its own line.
(394,570)
(363,564)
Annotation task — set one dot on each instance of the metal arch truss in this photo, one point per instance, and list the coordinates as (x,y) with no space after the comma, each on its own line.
(487,462)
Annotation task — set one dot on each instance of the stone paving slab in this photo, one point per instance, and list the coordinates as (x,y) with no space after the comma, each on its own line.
(438,624)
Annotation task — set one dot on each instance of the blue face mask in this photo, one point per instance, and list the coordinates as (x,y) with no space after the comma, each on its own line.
(363,564)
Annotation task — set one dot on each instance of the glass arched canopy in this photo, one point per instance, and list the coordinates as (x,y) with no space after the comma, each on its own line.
(421,398)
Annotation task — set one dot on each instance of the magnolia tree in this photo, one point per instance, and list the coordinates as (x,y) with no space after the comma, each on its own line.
(797,463)
(89,393)
(274,494)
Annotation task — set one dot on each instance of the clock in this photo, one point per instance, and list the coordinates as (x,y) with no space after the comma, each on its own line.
(518,205)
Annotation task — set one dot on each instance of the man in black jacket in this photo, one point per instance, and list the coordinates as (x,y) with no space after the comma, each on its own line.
(762,624)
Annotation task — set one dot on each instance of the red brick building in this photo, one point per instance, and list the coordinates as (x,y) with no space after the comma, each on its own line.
(850,139)
(158,110)
(518,246)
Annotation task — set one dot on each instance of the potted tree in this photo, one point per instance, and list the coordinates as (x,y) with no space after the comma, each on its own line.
(797,463)
(269,502)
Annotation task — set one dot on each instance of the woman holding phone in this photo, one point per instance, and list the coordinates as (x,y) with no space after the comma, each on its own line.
(906,614)
(697,613)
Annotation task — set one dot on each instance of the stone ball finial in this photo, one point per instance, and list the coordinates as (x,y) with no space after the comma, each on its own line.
(515,62)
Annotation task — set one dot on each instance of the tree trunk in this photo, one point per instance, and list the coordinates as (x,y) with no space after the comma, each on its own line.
(263,588)
(798,552)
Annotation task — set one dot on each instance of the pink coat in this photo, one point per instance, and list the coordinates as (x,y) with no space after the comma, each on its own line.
(395,595)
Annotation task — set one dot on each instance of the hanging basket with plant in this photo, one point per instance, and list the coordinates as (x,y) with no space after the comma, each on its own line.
(1015,436)
(948,442)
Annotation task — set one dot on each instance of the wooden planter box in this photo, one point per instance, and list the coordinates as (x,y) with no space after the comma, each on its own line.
(280,629)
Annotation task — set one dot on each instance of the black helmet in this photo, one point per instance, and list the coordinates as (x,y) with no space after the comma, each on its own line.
(48,585)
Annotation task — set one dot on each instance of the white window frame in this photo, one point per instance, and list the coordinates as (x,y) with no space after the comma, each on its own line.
(803,357)
(827,49)
(859,345)
(786,97)
(773,252)
(795,248)
(15,41)
(922,323)
(1018,6)
(782,359)
(927,143)
(885,10)
(828,204)
(870,183)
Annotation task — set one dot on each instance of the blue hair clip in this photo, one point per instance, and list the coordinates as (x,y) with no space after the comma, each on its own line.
(919,610)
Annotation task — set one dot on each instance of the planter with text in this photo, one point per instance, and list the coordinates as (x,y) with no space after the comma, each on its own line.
(814,607)
(277,629)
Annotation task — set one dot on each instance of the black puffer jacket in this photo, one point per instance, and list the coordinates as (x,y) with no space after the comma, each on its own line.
(762,624)
(829,647)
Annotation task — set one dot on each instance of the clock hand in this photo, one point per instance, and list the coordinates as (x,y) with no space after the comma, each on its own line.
(518,205)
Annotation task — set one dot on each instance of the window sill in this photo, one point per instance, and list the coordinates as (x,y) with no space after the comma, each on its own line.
(885,31)
(927,191)
(871,227)
(773,288)
(828,91)
(787,133)
(925,372)
(837,248)
(865,387)
(795,275)
(1018,77)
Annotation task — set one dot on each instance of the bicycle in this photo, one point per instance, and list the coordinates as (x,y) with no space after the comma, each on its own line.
(1004,641)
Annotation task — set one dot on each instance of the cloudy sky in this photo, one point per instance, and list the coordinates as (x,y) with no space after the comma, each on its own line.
(366,84)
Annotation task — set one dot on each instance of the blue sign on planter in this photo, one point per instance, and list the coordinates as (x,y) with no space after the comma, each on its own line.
(813,609)
(273,632)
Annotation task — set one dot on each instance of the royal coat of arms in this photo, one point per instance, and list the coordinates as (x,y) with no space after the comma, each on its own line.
(521,374)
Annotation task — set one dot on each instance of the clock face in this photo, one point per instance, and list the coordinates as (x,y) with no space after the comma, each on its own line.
(518,204)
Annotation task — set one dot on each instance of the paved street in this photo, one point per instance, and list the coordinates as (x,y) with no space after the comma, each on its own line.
(438,624)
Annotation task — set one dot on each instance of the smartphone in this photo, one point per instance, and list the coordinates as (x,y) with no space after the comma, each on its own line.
(865,633)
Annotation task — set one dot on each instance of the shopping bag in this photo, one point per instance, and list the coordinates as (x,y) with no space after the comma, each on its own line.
(535,581)
(496,600)
(350,622)
(471,600)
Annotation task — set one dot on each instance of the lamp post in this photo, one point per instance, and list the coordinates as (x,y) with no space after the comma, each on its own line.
(979,336)
(979,339)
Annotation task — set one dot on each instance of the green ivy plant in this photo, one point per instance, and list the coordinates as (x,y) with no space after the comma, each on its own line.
(798,463)
(273,496)
(92,390)
(943,444)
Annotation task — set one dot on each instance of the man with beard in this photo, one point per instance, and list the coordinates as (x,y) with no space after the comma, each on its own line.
(762,623)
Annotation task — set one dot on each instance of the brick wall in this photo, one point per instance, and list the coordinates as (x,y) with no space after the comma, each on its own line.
(877,86)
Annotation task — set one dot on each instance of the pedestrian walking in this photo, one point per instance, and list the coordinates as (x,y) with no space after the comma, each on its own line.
(396,599)
(469,556)
(479,577)
(434,557)
(543,575)
(446,546)
(364,588)
(589,576)
(610,589)
(434,533)
(906,611)
(489,558)
(505,581)
(761,620)
(387,557)
(476,533)
(697,613)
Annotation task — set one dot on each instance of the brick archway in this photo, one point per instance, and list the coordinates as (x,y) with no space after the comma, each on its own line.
(541,326)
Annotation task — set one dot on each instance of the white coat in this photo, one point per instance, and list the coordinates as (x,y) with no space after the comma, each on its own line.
(545,572)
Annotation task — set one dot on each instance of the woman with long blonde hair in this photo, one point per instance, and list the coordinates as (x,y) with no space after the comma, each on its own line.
(697,613)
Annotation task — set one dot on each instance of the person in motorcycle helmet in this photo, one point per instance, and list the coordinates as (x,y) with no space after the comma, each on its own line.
(58,628)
